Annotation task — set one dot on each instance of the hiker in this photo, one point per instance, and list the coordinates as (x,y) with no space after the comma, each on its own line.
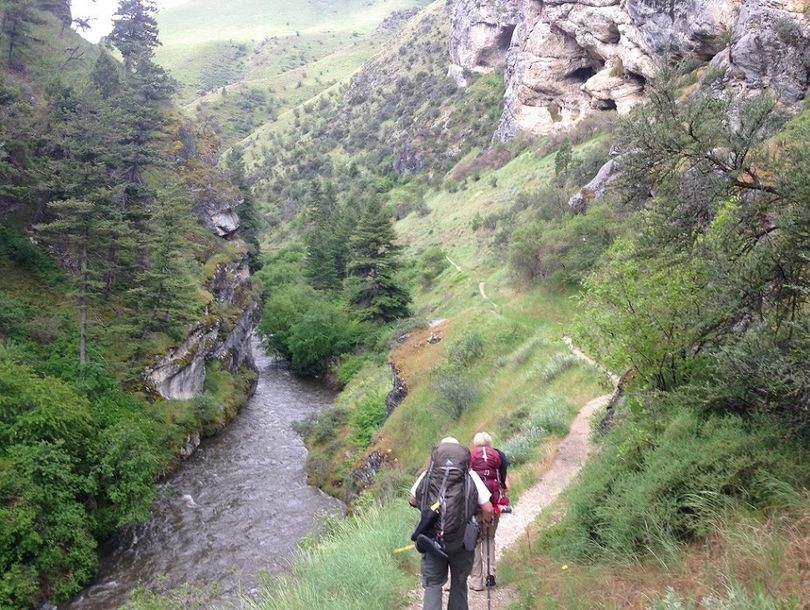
(491,465)
(448,494)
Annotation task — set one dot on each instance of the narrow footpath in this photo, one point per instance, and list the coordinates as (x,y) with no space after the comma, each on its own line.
(571,455)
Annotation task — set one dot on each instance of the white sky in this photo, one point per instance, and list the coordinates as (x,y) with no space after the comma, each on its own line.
(100,13)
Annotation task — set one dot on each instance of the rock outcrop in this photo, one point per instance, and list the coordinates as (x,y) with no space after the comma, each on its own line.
(224,333)
(180,373)
(215,200)
(597,187)
(480,36)
(568,58)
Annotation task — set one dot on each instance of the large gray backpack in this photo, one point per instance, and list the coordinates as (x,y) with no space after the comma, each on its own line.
(447,481)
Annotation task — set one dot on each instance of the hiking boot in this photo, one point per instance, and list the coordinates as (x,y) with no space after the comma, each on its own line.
(491,580)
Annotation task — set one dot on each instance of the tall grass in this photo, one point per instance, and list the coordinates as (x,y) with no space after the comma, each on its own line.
(549,415)
(353,566)
(662,482)
(734,598)
(559,362)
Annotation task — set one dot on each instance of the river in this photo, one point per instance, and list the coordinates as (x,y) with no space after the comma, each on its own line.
(231,512)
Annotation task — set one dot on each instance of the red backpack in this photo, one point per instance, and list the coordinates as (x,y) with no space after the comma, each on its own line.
(486,461)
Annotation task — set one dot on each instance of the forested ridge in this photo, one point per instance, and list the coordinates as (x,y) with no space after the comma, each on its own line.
(106,262)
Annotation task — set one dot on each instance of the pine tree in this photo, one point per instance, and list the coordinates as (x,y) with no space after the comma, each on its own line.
(163,290)
(17,19)
(77,232)
(135,33)
(105,75)
(371,284)
(326,238)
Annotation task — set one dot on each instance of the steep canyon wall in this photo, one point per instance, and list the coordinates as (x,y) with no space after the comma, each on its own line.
(563,59)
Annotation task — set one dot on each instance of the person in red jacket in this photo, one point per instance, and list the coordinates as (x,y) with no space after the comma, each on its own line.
(491,465)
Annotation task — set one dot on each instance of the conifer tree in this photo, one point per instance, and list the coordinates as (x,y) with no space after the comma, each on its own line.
(163,290)
(16,21)
(326,238)
(249,222)
(77,231)
(105,75)
(148,90)
(372,284)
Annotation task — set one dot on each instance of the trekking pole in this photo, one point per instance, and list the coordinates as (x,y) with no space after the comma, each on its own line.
(489,589)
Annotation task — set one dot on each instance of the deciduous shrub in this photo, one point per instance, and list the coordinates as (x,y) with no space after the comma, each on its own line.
(456,391)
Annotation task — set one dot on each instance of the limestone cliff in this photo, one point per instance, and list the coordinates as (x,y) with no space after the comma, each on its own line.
(567,58)
(480,36)
(225,331)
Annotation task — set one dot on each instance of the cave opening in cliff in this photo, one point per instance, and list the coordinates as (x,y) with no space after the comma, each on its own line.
(582,74)
(504,38)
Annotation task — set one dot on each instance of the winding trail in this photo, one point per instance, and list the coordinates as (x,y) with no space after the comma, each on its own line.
(571,455)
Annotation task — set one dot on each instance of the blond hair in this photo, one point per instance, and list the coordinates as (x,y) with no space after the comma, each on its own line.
(482,439)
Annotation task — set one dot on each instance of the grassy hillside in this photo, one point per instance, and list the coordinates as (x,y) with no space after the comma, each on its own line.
(205,49)
(263,96)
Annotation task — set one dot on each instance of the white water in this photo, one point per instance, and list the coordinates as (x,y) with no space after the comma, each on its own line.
(232,512)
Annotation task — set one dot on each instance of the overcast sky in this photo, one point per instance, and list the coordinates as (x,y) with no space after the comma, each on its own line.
(100,13)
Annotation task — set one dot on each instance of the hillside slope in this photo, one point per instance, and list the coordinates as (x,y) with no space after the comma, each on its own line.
(126,289)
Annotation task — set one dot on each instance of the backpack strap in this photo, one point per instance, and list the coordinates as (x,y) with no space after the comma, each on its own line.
(426,481)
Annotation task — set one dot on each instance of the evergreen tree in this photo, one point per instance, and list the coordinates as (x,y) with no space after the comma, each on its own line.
(326,238)
(249,221)
(16,22)
(105,76)
(135,33)
(142,102)
(77,232)
(163,291)
(371,284)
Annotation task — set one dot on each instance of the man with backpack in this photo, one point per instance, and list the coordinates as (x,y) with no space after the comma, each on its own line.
(491,465)
(448,495)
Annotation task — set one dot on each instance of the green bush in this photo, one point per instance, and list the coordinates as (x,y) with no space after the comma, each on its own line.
(432,262)
(308,327)
(457,392)
(564,249)
(469,348)
(366,418)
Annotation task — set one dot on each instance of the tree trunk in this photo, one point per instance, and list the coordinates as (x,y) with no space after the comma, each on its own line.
(83,307)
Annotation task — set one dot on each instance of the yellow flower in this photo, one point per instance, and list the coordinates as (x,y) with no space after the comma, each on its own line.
(565,567)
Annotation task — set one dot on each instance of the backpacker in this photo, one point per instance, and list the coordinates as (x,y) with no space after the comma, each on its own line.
(447,481)
(486,461)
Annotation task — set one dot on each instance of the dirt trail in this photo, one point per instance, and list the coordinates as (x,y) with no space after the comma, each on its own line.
(571,455)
